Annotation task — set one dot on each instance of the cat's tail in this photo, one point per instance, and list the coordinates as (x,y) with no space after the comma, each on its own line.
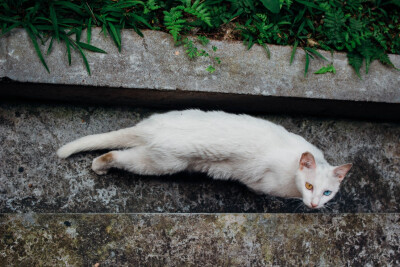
(117,139)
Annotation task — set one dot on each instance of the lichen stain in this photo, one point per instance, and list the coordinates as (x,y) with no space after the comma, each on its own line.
(199,239)
(36,244)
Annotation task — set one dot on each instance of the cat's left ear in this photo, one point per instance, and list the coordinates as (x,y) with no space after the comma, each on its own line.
(341,171)
(307,161)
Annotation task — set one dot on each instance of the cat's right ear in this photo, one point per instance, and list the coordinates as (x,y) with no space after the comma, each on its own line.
(307,161)
(342,170)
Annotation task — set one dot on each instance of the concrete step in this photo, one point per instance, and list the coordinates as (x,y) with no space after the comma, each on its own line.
(33,179)
(154,62)
(153,71)
(199,239)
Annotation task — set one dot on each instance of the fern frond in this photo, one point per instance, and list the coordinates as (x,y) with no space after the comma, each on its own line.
(369,51)
(335,24)
(151,5)
(239,7)
(219,15)
(385,60)
(191,49)
(356,61)
(174,22)
(199,10)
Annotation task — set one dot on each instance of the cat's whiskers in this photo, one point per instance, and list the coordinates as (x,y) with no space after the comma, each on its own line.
(299,206)
(330,206)
(326,208)
(292,200)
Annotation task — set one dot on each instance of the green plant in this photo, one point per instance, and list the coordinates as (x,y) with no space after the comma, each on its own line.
(194,52)
(60,20)
(116,17)
(176,23)
(365,30)
(326,69)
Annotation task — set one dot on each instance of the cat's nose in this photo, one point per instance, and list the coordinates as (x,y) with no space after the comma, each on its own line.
(313,205)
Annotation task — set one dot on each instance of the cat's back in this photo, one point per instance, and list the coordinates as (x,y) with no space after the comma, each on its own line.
(213,124)
(211,120)
(190,130)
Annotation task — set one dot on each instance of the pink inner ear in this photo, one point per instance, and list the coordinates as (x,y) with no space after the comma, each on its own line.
(307,160)
(341,171)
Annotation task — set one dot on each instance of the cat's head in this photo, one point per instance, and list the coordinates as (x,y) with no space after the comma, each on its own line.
(318,183)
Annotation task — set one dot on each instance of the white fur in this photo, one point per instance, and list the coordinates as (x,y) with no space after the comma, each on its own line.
(256,152)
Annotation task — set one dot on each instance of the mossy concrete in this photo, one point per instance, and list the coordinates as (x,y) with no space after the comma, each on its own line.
(153,62)
(34,179)
(199,239)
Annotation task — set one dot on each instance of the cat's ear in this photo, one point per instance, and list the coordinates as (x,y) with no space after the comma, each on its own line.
(307,161)
(341,171)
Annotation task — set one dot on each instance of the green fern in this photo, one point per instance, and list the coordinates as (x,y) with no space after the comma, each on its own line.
(191,49)
(356,61)
(203,40)
(242,7)
(219,15)
(200,10)
(335,26)
(150,6)
(174,22)
(385,60)
(369,51)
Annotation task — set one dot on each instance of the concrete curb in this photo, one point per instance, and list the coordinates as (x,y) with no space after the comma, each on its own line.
(154,64)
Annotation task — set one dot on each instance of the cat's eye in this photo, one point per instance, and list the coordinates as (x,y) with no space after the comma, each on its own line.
(309,186)
(327,193)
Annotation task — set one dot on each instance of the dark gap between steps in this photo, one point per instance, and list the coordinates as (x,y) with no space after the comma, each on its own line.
(178,99)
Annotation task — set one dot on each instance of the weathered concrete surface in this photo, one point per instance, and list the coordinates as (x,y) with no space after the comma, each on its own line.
(154,63)
(200,240)
(32,178)
(3,58)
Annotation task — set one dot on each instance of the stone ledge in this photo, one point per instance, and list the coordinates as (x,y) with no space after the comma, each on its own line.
(154,63)
(34,179)
(199,239)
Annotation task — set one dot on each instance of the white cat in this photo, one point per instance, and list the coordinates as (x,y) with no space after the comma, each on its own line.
(262,155)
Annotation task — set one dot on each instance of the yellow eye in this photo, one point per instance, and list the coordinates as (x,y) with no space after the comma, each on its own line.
(309,186)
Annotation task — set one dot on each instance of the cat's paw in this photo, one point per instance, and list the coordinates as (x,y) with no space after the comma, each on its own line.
(99,171)
(100,166)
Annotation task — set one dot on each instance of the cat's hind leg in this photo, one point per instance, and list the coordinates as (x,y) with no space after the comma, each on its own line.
(139,160)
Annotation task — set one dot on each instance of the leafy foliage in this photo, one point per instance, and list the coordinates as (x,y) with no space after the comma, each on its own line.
(356,61)
(369,52)
(328,68)
(365,30)
(194,52)
(175,21)
(271,5)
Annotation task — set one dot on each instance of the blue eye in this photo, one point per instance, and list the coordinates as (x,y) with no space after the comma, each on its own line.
(327,193)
